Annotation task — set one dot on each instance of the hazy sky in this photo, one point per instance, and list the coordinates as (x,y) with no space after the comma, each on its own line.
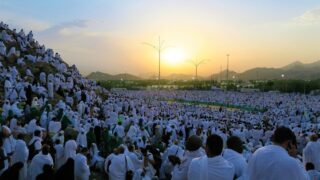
(105,35)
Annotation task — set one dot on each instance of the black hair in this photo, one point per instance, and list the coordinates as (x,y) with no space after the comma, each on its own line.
(214,144)
(37,133)
(45,149)
(235,143)
(20,136)
(57,141)
(310,166)
(283,134)
(130,148)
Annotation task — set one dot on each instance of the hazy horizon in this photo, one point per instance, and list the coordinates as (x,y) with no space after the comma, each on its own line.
(107,36)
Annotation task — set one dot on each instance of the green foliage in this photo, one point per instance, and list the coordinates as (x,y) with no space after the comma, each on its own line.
(163,84)
(297,86)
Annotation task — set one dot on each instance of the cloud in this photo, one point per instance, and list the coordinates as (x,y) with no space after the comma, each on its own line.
(67,28)
(311,17)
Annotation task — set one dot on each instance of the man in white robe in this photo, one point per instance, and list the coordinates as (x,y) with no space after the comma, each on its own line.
(311,152)
(13,52)
(38,161)
(21,154)
(42,78)
(36,141)
(50,89)
(166,166)
(6,37)
(16,110)
(273,161)
(22,95)
(119,130)
(44,119)
(134,158)
(81,168)
(120,164)
(234,155)
(82,138)
(3,49)
(59,156)
(313,174)
(13,95)
(54,126)
(212,166)
(70,149)
(108,160)
(7,88)
(4,158)
(193,150)
(9,142)
(6,108)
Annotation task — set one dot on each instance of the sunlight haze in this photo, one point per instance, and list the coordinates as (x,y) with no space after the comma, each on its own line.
(108,36)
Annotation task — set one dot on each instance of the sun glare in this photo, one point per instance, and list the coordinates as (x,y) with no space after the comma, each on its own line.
(174,56)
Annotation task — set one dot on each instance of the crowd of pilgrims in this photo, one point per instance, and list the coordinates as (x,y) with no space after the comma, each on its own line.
(60,125)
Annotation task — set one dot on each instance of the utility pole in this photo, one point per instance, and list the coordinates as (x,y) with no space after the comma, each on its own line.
(228,67)
(220,73)
(159,48)
(196,64)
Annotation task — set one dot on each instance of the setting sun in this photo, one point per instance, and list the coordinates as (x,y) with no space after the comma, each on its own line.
(174,56)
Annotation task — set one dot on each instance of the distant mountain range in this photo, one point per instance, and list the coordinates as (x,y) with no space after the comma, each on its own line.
(99,76)
(295,70)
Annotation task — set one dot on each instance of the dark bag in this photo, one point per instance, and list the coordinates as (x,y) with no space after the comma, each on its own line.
(32,150)
(129,173)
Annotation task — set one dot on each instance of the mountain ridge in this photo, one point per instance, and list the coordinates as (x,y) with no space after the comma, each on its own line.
(100,76)
(294,70)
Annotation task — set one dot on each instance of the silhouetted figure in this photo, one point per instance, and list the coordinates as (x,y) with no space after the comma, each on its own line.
(66,171)
(47,173)
(12,173)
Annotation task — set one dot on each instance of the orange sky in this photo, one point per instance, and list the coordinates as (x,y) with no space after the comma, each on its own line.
(107,36)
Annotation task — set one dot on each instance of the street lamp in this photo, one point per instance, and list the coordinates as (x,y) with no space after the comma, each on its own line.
(159,48)
(228,66)
(196,63)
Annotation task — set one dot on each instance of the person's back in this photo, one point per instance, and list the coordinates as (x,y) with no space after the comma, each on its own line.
(120,164)
(70,149)
(234,155)
(66,171)
(273,162)
(312,173)
(37,163)
(311,152)
(237,160)
(12,173)
(134,158)
(81,168)
(212,166)
(193,150)
(47,173)
(217,168)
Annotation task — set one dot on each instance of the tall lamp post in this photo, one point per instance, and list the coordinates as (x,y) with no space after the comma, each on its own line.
(228,67)
(159,48)
(196,63)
